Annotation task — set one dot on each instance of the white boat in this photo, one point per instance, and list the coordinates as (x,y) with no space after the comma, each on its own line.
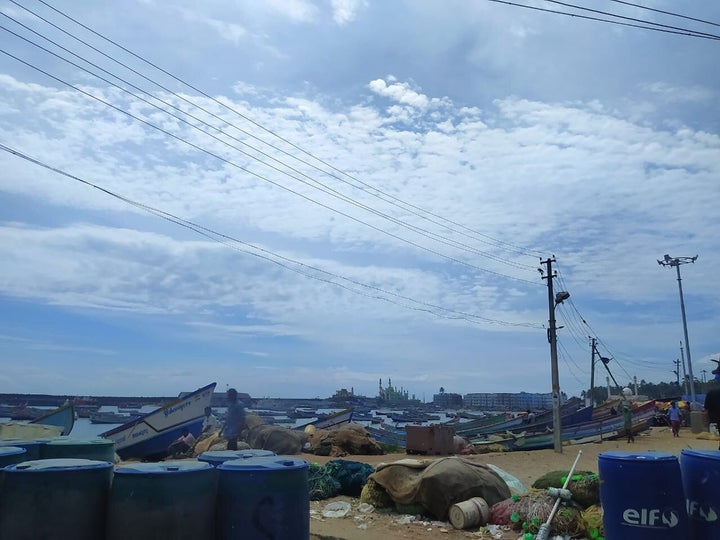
(150,435)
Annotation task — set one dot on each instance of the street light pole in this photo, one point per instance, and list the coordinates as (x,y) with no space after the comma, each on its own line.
(554,300)
(676,262)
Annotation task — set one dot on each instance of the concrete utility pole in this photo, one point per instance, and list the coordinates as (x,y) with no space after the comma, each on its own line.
(676,371)
(553,301)
(676,262)
(685,377)
(592,372)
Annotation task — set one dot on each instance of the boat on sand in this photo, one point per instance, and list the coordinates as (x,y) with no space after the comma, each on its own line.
(148,436)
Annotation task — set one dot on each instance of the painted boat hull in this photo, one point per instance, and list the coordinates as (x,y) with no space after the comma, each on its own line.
(151,434)
(332,421)
(62,417)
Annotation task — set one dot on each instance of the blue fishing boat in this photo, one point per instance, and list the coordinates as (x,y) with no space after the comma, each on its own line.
(62,417)
(149,435)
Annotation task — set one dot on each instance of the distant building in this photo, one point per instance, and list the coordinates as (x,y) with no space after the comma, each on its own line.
(447,400)
(391,395)
(499,401)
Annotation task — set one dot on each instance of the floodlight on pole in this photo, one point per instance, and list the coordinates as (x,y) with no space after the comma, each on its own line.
(676,262)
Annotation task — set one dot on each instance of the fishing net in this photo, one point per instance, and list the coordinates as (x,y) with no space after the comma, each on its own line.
(592,517)
(584,485)
(373,493)
(527,513)
(321,484)
(350,475)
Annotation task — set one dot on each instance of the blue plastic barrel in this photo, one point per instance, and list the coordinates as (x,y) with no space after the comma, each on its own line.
(55,499)
(701,479)
(642,497)
(11,454)
(263,497)
(97,448)
(218,457)
(171,499)
(32,446)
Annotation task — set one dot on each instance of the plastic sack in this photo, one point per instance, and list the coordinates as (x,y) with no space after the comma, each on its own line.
(515,485)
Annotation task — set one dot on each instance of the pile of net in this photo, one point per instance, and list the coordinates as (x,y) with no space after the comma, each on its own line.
(337,477)
(350,439)
(527,513)
(584,485)
(434,485)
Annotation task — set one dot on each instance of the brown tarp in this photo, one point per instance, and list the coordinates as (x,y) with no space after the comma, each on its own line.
(440,483)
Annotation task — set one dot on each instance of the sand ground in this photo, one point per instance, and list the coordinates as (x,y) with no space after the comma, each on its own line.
(526,466)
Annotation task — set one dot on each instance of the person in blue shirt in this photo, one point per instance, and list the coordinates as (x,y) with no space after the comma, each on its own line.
(674,415)
(234,420)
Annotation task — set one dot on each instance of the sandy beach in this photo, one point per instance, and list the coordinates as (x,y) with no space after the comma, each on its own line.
(526,466)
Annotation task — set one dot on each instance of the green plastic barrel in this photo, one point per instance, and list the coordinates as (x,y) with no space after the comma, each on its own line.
(97,448)
(263,497)
(11,454)
(170,499)
(55,499)
(217,457)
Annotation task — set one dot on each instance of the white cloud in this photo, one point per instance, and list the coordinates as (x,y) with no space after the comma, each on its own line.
(400,92)
(345,11)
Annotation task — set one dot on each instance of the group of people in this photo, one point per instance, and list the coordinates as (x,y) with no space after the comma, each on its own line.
(674,413)
(230,430)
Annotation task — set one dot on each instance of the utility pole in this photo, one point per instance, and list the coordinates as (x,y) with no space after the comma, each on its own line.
(553,301)
(685,377)
(676,262)
(676,371)
(592,371)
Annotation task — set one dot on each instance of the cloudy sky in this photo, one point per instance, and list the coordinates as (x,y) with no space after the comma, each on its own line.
(296,196)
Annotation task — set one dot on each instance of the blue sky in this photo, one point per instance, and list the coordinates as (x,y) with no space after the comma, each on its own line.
(372,186)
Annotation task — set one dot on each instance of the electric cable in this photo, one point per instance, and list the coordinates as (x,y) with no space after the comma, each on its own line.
(688,33)
(409,207)
(268,254)
(264,178)
(322,187)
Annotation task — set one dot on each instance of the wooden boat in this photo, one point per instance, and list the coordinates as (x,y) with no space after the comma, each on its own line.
(609,428)
(331,421)
(112,418)
(62,417)
(571,412)
(52,423)
(388,435)
(149,435)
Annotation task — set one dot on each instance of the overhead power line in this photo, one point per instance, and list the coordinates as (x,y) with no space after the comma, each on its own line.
(365,187)
(264,178)
(320,186)
(685,32)
(666,12)
(278,259)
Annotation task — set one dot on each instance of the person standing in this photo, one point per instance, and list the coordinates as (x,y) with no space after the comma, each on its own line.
(712,407)
(626,409)
(234,421)
(674,416)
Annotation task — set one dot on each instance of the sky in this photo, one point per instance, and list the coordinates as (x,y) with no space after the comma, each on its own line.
(291,197)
